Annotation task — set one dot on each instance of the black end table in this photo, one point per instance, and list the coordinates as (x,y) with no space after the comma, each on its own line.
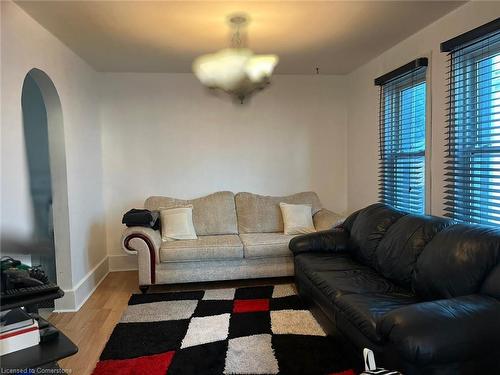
(45,352)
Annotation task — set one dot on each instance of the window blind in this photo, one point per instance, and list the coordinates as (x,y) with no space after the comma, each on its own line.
(472,178)
(402,129)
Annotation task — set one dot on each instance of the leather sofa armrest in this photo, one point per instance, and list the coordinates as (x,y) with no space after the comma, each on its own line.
(145,242)
(324,241)
(444,330)
(325,219)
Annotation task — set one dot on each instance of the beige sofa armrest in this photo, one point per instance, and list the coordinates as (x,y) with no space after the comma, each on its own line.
(325,219)
(145,242)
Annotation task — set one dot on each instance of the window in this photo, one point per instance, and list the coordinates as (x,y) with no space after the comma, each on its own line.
(402,132)
(472,189)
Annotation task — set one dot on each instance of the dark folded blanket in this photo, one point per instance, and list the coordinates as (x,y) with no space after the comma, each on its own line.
(141,218)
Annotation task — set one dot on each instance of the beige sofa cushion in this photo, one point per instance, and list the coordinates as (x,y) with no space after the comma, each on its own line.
(204,248)
(262,214)
(265,245)
(212,214)
(325,219)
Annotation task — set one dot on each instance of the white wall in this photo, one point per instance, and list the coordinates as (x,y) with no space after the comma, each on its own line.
(164,134)
(363,102)
(26,45)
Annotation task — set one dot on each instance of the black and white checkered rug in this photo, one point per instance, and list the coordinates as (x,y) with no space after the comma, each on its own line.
(257,330)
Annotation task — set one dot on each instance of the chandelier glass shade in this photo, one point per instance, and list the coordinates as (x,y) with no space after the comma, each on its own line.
(237,70)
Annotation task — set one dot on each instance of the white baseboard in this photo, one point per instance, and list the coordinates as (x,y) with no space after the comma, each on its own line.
(75,298)
(122,262)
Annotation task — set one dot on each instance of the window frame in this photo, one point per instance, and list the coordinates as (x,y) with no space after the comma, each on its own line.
(396,93)
(462,152)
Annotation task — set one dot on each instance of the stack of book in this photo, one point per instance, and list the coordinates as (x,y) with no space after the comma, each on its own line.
(18,330)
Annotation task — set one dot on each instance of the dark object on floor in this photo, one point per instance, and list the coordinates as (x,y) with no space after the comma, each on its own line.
(264,329)
(141,218)
(422,292)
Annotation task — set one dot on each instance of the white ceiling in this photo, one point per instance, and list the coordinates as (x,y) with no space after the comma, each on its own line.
(165,36)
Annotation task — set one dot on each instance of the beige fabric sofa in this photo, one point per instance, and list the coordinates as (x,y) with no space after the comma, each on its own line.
(239,236)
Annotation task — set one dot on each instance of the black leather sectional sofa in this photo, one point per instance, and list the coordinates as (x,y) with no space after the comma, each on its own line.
(421,291)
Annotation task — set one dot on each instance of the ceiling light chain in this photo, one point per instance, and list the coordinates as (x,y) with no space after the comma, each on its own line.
(236,38)
(237,22)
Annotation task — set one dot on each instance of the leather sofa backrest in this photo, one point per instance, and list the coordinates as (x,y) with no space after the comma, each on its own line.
(368,229)
(212,214)
(491,286)
(349,221)
(459,261)
(262,214)
(397,252)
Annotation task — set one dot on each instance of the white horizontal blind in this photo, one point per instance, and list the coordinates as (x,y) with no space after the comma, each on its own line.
(402,125)
(472,187)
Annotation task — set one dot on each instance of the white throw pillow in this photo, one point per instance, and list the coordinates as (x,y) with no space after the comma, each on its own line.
(297,218)
(177,224)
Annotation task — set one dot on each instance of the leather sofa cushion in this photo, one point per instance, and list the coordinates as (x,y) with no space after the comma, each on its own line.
(263,245)
(220,247)
(368,229)
(314,262)
(327,241)
(444,331)
(364,310)
(456,262)
(491,286)
(398,251)
(262,214)
(335,274)
(338,283)
(212,214)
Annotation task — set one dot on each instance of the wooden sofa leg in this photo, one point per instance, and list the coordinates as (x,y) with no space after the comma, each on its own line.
(144,288)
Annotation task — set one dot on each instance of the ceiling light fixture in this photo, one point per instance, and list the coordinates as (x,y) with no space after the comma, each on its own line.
(235,70)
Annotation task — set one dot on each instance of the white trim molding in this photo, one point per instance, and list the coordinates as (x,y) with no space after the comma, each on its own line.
(122,262)
(74,298)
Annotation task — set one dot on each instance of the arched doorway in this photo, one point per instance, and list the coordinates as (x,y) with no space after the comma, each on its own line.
(46,165)
(36,141)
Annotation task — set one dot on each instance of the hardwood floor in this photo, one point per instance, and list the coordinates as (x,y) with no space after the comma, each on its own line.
(91,326)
